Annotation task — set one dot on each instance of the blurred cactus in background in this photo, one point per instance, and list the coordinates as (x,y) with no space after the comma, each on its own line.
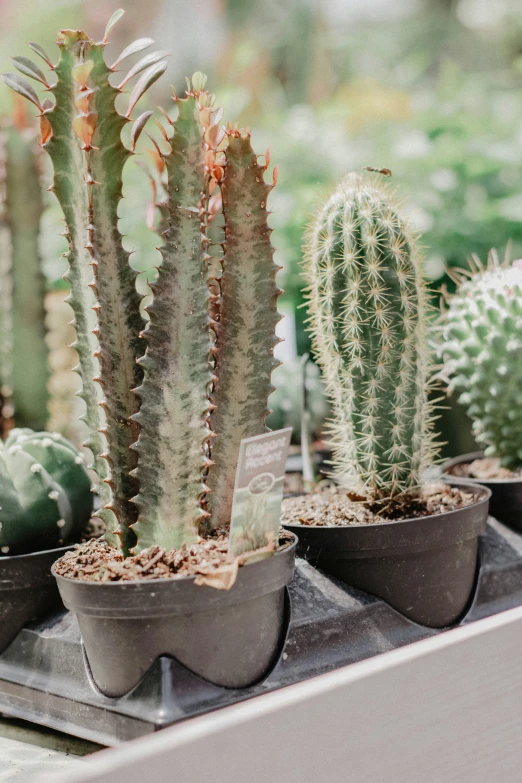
(24,354)
(292,379)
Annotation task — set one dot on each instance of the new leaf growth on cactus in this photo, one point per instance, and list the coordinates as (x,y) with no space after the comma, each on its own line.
(45,489)
(24,369)
(480,341)
(81,131)
(368,319)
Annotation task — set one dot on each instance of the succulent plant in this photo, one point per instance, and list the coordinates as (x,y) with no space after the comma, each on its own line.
(45,491)
(368,316)
(24,354)
(177,396)
(480,342)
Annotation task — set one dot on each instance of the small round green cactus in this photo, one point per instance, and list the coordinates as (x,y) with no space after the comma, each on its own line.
(482,351)
(368,317)
(45,492)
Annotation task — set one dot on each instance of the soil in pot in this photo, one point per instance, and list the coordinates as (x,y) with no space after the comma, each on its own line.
(419,553)
(166,603)
(505,484)
(484,469)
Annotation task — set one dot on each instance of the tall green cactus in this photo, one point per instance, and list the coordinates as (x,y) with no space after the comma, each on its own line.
(248,317)
(81,133)
(480,342)
(174,393)
(25,354)
(368,319)
(204,379)
(188,458)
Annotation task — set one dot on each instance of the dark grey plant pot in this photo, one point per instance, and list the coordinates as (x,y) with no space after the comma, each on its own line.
(232,638)
(506,494)
(424,567)
(27,590)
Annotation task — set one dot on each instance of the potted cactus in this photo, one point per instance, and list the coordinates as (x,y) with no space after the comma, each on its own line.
(167,403)
(479,341)
(45,502)
(379,528)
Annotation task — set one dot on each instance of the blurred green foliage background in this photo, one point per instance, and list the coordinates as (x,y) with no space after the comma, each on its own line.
(431,89)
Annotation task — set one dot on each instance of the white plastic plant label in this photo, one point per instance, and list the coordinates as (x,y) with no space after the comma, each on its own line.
(258,492)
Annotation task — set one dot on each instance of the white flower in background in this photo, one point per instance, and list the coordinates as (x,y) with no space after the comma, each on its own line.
(444,180)
(414,144)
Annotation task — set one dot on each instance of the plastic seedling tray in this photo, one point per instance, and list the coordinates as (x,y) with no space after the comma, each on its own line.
(44,677)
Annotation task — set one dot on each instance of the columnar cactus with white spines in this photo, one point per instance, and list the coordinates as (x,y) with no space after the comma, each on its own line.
(186,396)
(368,319)
(480,341)
(45,490)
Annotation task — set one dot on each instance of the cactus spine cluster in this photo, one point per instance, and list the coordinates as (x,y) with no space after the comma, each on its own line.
(176,397)
(480,342)
(45,490)
(368,320)
(24,355)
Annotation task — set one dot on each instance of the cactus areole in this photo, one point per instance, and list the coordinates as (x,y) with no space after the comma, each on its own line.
(167,404)
(368,316)
(481,344)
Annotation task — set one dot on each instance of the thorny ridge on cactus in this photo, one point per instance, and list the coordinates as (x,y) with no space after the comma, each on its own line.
(248,316)
(479,340)
(174,395)
(177,397)
(368,317)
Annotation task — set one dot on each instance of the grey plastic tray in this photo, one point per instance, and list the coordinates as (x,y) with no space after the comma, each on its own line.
(44,677)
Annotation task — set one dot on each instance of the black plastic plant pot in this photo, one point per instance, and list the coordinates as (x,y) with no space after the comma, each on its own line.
(425,568)
(27,590)
(506,494)
(232,638)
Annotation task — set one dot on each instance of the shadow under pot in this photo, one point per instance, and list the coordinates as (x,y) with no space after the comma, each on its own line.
(231,638)
(424,567)
(27,590)
(506,494)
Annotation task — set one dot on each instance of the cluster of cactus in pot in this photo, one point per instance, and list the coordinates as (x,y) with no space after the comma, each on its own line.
(479,339)
(167,401)
(24,371)
(369,316)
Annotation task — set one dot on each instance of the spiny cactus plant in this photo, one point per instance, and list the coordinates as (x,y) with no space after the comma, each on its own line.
(45,490)
(480,342)
(197,379)
(81,132)
(24,353)
(368,318)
